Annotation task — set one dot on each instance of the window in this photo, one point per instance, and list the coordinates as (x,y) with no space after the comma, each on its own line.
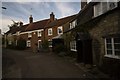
(28,43)
(49,31)
(29,35)
(16,42)
(73,46)
(60,30)
(39,33)
(112,47)
(73,24)
(112,5)
(10,42)
(103,7)
(50,43)
(18,33)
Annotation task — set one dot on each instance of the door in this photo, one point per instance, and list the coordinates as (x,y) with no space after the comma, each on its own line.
(79,47)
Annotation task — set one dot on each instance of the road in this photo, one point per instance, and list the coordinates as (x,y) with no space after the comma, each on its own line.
(41,65)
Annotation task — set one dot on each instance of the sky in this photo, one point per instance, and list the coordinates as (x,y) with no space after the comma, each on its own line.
(20,11)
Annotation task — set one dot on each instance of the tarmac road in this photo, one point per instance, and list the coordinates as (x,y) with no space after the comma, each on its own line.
(42,65)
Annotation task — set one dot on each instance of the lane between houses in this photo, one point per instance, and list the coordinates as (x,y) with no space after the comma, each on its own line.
(43,65)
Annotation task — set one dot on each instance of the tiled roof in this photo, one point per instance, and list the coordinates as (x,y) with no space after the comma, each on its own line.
(37,25)
(22,29)
(46,23)
(59,22)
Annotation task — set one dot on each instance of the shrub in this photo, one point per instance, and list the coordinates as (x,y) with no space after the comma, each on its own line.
(45,45)
(59,48)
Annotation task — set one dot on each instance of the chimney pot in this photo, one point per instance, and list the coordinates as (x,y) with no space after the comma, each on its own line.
(30,19)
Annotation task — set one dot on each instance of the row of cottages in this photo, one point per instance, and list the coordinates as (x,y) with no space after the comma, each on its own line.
(36,33)
(94,36)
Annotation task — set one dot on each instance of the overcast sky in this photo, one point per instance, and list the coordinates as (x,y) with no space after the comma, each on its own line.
(20,11)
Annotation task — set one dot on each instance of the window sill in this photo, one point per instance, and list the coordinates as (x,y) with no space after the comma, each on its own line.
(73,50)
(49,35)
(111,56)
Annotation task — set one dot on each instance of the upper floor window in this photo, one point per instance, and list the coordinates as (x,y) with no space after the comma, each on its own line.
(29,34)
(112,47)
(49,31)
(60,30)
(103,7)
(73,24)
(39,33)
(18,33)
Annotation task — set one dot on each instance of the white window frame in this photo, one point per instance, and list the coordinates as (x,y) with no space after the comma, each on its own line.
(49,42)
(10,42)
(113,50)
(73,46)
(29,34)
(16,42)
(28,43)
(73,24)
(61,30)
(101,8)
(18,33)
(39,33)
(50,29)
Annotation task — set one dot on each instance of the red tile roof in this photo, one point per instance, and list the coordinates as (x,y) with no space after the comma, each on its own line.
(42,24)
(37,25)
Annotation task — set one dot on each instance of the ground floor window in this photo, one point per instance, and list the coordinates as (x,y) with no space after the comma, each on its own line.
(28,43)
(50,43)
(16,42)
(9,42)
(112,47)
(73,46)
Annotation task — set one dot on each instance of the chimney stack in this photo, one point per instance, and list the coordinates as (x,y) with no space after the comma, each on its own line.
(52,16)
(83,3)
(21,23)
(30,19)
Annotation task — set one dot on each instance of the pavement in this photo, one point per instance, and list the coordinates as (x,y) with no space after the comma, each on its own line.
(46,65)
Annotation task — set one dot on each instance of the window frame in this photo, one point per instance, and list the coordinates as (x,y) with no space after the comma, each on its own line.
(28,43)
(73,46)
(101,8)
(50,29)
(50,42)
(39,33)
(29,34)
(73,24)
(113,49)
(60,27)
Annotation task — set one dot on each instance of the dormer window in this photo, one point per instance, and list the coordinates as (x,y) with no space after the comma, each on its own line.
(103,7)
(29,35)
(49,31)
(73,24)
(39,33)
(60,30)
